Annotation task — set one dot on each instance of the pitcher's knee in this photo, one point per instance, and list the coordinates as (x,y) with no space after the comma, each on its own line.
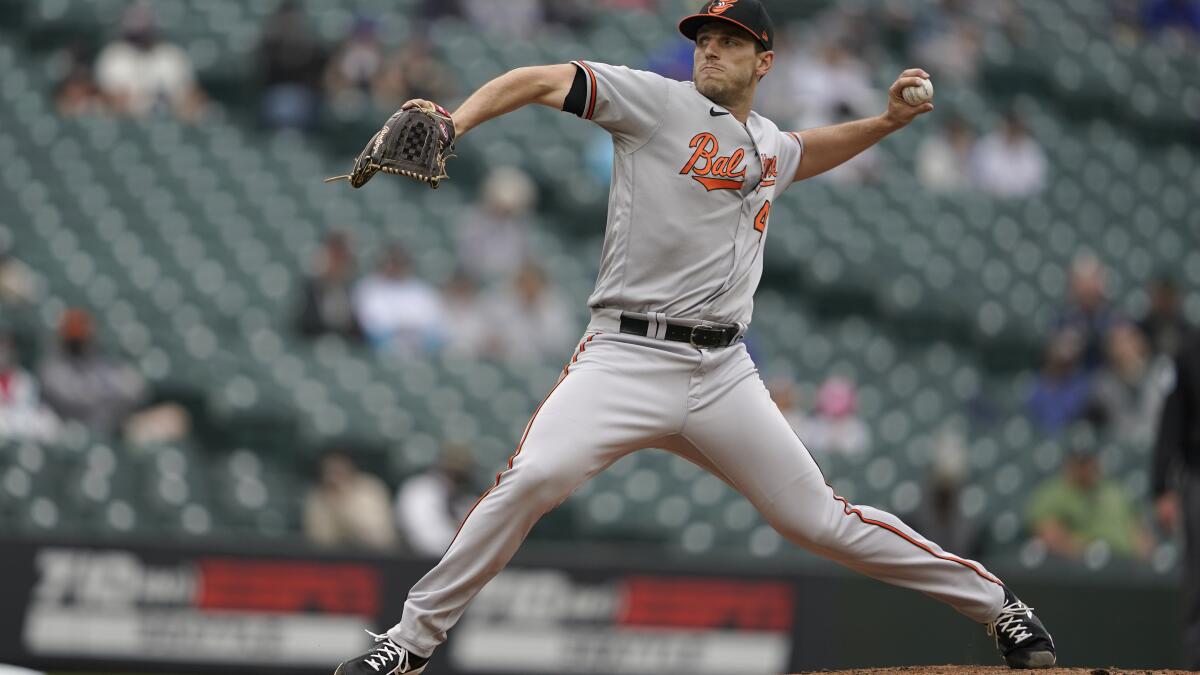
(542,486)
(810,528)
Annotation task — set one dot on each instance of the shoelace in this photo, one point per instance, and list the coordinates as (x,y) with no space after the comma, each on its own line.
(387,651)
(1012,622)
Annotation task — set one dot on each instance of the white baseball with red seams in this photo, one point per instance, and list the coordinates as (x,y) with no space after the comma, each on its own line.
(915,96)
(688,215)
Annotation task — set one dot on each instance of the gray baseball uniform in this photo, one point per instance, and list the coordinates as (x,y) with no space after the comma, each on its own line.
(688,213)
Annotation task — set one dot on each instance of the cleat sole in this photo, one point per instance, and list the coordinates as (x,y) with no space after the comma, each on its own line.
(1029,661)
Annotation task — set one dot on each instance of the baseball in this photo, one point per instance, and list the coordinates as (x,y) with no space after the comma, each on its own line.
(915,96)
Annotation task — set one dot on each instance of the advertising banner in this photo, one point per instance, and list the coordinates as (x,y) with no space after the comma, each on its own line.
(155,608)
(134,607)
(548,621)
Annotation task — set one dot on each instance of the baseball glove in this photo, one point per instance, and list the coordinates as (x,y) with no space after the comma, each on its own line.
(414,143)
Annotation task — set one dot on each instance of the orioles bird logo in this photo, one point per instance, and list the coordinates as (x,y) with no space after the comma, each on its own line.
(719,6)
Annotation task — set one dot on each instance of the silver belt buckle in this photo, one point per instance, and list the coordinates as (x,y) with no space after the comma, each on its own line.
(701,327)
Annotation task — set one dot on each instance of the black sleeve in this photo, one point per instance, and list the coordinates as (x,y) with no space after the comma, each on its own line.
(308,318)
(1172,434)
(578,94)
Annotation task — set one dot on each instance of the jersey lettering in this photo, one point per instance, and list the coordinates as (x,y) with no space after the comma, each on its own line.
(710,169)
(770,171)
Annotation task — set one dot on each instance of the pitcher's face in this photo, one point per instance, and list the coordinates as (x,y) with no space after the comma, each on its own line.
(727,62)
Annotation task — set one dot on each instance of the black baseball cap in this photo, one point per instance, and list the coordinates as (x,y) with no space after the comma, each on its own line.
(749,15)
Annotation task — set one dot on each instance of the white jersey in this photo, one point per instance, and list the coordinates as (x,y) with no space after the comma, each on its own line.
(690,200)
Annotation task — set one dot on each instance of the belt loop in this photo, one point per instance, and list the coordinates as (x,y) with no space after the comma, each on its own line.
(741,332)
(658,325)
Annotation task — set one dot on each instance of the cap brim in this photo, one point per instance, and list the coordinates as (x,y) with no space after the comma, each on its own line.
(690,26)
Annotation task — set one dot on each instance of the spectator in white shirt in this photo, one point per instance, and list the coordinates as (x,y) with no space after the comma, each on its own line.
(944,159)
(1008,163)
(431,505)
(536,319)
(141,74)
(825,86)
(493,237)
(396,309)
(467,327)
(22,416)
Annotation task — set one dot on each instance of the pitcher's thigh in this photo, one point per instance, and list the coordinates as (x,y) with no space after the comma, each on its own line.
(589,420)
(744,435)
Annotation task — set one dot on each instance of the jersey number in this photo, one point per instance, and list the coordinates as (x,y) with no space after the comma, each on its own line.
(760,220)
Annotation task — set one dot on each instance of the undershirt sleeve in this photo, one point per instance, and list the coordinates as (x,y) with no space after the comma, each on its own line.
(577,97)
(627,103)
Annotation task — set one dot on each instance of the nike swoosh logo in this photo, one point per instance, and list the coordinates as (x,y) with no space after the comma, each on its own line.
(717,113)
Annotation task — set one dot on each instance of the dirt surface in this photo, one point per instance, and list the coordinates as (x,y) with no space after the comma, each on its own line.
(996,670)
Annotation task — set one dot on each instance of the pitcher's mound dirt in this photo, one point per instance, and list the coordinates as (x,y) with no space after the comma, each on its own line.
(996,670)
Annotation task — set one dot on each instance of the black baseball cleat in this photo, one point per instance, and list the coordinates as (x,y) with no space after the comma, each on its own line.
(1020,636)
(386,658)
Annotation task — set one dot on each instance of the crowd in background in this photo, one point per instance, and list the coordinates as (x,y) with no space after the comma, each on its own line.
(497,283)
(1099,369)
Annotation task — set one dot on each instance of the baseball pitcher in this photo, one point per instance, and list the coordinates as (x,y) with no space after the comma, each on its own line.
(661,364)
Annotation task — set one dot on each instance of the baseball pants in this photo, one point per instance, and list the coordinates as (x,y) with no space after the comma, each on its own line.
(621,393)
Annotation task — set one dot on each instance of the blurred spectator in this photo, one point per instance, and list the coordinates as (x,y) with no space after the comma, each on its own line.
(674,60)
(348,508)
(1008,162)
(790,401)
(576,15)
(414,71)
(141,74)
(1060,394)
(355,64)
(515,18)
(1128,392)
(631,5)
(1163,325)
(80,384)
(396,309)
(536,319)
(77,93)
(859,169)
(22,415)
(431,505)
(493,237)
(1078,508)
(598,158)
(18,284)
(837,429)
(944,158)
(939,517)
(1181,15)
(1088,312)
(326,304)
(949,35)
(825,87)
(162,423)
(1175,481)
(466,326)
(290,61)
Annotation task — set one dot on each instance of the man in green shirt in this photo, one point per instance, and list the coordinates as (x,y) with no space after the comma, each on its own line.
(1070,511)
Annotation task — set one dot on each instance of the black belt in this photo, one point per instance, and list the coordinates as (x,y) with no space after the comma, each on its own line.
(698,335)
